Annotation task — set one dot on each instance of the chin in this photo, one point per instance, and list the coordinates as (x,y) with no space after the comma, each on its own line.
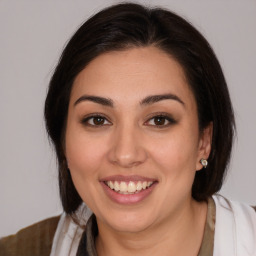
(132,223)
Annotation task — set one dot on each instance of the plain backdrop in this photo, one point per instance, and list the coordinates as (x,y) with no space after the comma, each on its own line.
(33,34)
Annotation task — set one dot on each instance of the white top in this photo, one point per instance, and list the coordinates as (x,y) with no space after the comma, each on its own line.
(235,231)
(235,228)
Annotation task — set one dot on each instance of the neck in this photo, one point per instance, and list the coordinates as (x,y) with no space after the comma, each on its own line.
(179,234)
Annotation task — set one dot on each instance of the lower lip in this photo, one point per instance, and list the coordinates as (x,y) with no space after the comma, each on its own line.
(128,198)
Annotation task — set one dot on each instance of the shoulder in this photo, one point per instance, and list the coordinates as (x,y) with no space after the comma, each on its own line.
(235,228)
(34,240)
(235,208)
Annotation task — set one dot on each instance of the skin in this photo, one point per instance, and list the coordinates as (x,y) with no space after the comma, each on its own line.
(127,141)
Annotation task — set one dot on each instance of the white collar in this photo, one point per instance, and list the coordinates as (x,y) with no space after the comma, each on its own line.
(235,228)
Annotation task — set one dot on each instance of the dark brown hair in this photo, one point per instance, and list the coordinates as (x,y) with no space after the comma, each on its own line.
(129,25)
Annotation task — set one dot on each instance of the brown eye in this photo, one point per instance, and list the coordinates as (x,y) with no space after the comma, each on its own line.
(98,120)
(159,120)
(95,121)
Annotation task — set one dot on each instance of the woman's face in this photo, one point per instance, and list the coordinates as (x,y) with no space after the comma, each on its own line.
(132,138)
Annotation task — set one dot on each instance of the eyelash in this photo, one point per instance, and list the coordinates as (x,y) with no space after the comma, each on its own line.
(85,120)
(164,116)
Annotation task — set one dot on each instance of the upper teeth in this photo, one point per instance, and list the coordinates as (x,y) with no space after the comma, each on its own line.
(130,187)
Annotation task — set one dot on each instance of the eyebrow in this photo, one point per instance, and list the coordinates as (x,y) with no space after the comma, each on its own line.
(156,98)
(96,99)
(147,101)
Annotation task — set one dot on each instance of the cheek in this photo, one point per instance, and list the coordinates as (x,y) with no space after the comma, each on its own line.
(85,158)
(178,152)
(84,153)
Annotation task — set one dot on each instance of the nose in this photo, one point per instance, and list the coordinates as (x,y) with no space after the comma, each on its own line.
(127,148)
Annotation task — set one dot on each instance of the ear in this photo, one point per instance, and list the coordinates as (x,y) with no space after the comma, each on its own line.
(205,145)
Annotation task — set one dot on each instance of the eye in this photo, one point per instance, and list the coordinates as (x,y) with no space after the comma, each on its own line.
(96,120)
(160,120)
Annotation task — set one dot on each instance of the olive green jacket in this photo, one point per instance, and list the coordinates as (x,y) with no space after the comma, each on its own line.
(35,240)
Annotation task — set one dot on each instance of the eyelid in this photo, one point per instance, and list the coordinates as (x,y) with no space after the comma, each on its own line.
(167,116)
(171,120)
(86,118)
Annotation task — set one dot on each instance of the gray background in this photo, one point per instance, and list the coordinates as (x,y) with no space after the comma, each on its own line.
(33,34)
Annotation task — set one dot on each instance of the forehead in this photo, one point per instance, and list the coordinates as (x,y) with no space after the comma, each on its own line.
(131,75)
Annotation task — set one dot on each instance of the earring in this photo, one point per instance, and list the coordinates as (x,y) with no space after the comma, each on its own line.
(204,162)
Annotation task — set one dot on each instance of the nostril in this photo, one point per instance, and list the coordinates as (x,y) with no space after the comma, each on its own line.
(126,148)
(127,159)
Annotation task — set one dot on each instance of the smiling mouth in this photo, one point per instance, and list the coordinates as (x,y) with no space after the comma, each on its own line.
(127,188)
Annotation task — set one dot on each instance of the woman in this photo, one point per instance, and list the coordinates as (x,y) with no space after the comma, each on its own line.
(140,116)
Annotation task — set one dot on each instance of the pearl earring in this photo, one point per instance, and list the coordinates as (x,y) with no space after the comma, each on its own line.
(204,162)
